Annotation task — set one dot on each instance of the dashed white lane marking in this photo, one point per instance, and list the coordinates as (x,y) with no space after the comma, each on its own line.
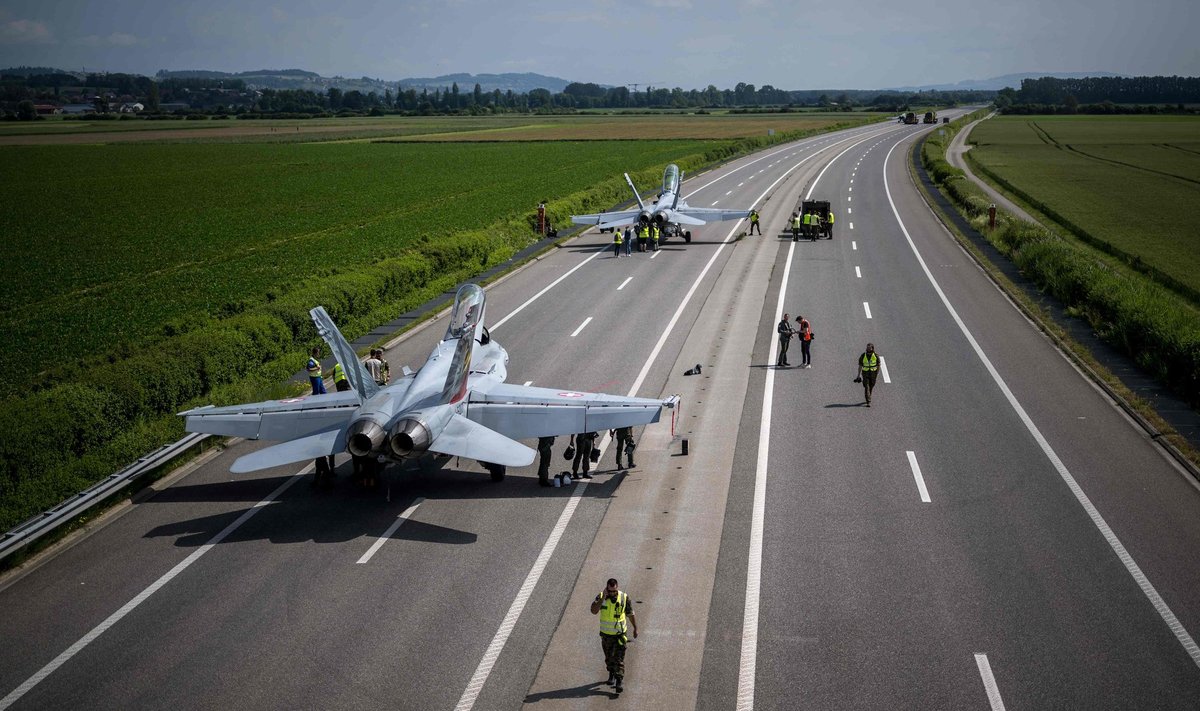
(714,203)
(857,273)
(850,189)
(141,597)
(582,326)
(546,288)
(849,198)
(916,470)
(849,211)
(728,193)
(887,377)
(867,309)
(622,286)
(989,682)
(656,253)
(854,246)
(741,183)
(851,225)
(392,529)
(1134,570)
(852,180)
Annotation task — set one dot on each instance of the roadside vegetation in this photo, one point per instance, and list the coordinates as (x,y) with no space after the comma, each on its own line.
(148,278)
(1155,325)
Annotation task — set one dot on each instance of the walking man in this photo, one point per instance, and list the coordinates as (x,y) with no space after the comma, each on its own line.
(654,237)
(340,381)
(374,367)
(796,227)
(805,335)
(643,233)
(829,225)
(314,372)
(624,439)
(868,370)
(545,454)
(785,338)
(628,241)
(754,223)
(583,452)
(617,242)
(616,615)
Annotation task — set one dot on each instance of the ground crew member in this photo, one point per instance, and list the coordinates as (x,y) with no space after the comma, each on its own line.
(314,372)
(617,241)
(868,370)
(754,223)
(384,369)
(654,236)
(796,227)
(583,444)
(615,608)
(545,453)
(785,338)
(829,225)
(374,367)
(815,227)
(805,336)
(339,378)
(624,439)
(643,235)
(628,241)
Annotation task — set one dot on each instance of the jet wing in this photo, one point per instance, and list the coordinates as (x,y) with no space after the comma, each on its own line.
(298,450)
(520,412)
(463,437)
(711,214)
(608,219)
(275,419)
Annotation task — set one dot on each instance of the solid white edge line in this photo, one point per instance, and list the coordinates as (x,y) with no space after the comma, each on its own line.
(989,682)
(748,663)
(1093,513)
(857,272)
(391,529)
(916,470)
(582,326)
(141,597)
(887,377)
(622,286)
(867,309)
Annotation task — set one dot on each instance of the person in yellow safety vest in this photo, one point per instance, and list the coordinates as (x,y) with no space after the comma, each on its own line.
(829,226)
(868,370)
(643,235)
(654,237)
(314,372)
(614,607)
(754,223)
(339,378)
(617,241)
(796,226)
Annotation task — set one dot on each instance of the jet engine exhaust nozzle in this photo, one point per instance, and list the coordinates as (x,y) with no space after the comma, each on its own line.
(410,438)
(363,437)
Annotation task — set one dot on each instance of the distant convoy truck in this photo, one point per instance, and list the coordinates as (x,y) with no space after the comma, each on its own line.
(910,117)
(930,117)
(820,210)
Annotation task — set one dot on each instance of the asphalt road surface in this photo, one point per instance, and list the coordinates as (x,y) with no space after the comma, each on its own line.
(992,533)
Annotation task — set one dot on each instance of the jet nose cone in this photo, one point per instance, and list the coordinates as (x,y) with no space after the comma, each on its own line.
(363,437)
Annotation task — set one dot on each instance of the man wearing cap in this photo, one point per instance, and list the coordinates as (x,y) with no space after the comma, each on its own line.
(614,607)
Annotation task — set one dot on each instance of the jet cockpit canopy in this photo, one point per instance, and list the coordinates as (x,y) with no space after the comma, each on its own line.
(468,310)
(671,179)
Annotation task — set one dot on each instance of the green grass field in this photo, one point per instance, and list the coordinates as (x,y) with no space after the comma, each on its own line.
(1131,182)
(107,245)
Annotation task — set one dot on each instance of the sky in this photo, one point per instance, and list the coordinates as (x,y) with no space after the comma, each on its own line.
(789,44)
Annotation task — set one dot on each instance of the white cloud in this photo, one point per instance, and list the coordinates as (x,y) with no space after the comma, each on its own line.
(25,32)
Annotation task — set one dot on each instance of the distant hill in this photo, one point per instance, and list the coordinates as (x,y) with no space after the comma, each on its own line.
(518,83)
(997,83)
(32,71)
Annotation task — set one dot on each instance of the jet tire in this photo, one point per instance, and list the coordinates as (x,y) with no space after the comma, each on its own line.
(687,236)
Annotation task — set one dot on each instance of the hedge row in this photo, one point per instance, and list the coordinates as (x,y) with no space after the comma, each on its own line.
(1156,327)
(57,441)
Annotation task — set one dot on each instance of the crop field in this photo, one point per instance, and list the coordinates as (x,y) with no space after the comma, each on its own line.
(434,128)
(109,245)
(1130,182)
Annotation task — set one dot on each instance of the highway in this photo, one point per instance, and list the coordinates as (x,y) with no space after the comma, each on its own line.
(992,533)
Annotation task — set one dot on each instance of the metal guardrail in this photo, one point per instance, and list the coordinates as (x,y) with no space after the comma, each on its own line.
(42,524)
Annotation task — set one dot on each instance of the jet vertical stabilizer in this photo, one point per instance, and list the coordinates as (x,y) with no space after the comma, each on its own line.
(356,373)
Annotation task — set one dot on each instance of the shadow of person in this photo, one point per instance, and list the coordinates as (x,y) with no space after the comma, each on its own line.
(576,692)
(846,404)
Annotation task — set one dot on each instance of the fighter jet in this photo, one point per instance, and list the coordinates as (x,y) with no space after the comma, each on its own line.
(669,213)
(456,405)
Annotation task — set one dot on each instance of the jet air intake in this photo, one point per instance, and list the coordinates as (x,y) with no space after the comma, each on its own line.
(410,438)
(364,437)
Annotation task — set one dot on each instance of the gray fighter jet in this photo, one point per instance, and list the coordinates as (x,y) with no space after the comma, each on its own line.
(669,213)
(456,405)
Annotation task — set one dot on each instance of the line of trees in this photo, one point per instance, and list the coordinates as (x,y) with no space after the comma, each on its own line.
(1098,94)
